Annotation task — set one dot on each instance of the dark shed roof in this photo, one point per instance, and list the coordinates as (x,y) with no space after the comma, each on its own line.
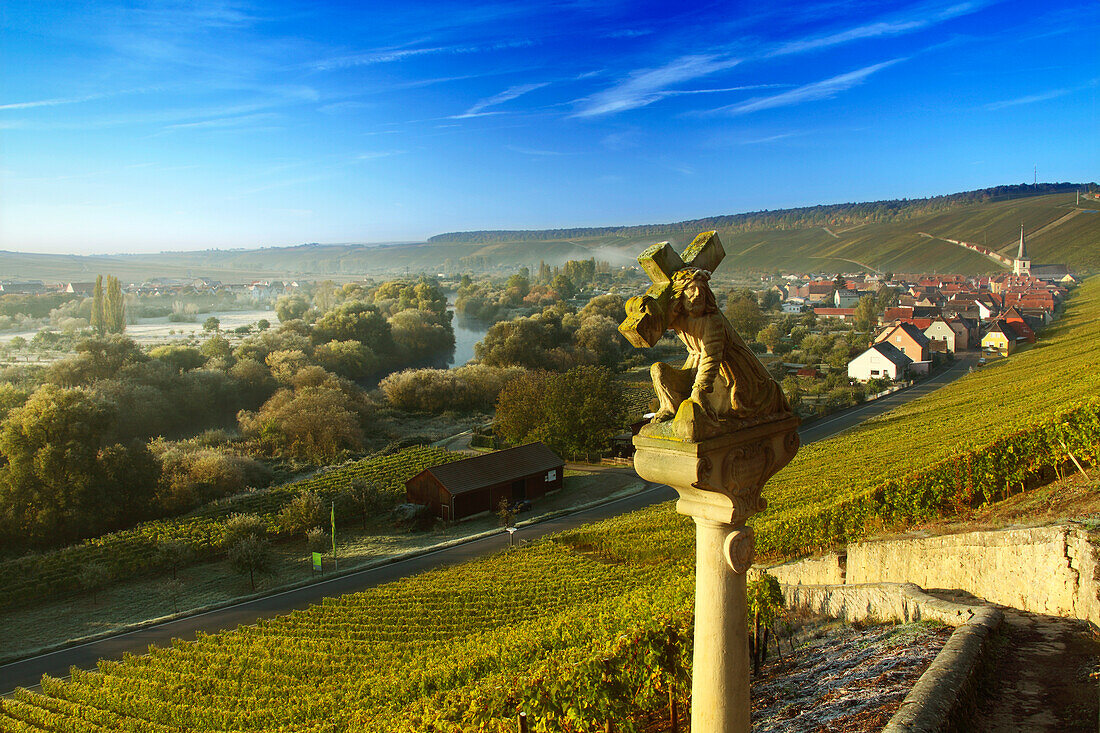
(494,468)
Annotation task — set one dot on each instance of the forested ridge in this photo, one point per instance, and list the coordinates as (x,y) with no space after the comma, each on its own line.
(846,214)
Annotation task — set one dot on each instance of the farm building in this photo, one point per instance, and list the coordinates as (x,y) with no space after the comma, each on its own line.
(464,488)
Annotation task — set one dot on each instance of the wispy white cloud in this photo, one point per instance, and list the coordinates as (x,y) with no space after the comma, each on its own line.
(771,138)
(1040,96)
(390,55)
(646,86)
(56,101)
(506,96)
(916,19)
(225,122)
(824,89)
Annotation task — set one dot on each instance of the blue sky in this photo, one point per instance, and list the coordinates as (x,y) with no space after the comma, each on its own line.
(143,126)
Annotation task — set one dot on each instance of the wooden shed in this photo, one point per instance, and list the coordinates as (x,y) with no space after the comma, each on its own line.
(464,488)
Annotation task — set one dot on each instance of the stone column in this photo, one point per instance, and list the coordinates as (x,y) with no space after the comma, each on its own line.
(719,481)
(719,686)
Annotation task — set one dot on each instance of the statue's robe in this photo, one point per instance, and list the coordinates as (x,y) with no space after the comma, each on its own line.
(721,365)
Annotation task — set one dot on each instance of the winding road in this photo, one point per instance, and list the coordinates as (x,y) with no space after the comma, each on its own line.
(27,672)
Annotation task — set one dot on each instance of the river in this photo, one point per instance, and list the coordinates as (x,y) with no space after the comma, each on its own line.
(158,330)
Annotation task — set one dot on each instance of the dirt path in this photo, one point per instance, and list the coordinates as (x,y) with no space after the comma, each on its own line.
(1040,675)
(1040,679)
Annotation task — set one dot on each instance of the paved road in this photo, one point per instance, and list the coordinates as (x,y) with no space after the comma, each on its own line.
(27,672)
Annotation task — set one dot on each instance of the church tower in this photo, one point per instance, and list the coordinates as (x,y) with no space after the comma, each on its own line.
(1022,264)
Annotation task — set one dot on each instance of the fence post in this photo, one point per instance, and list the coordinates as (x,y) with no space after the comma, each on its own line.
(523,723)
(672,711)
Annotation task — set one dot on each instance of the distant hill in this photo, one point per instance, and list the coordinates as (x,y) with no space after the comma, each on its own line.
(898,236)
(806,217)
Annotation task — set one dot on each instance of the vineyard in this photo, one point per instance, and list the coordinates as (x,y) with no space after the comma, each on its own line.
(571,638)
(136,551)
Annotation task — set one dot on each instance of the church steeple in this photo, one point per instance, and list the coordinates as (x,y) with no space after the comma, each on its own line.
(1022,264)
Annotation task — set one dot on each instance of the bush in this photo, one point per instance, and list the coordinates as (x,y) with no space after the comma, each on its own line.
(469,388)
(244,526)
(301,514)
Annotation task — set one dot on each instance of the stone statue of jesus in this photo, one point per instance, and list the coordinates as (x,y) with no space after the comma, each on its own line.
(721,373)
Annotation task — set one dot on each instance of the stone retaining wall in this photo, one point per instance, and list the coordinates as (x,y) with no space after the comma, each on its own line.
(1050,570)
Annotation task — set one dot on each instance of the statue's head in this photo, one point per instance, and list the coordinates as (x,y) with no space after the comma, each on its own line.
(691,292)
(645,321)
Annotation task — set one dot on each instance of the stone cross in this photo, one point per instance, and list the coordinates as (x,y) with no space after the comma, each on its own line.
(718,472)
(661,262)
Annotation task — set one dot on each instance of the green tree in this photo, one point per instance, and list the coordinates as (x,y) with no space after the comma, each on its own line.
(212,324)
(175,555)
(366,498)
(217,347)
(66,476)
(418,335)
(792,387)
(765,599)
(866,313)
(770,336)
(93,576)
(598,341)
(770,300)
(99,308)
(252,555)
(356,321)
(520,284)
(609,305)
(743,313)
(563,286)
(291,307)
(310,423)
(115,307)
(577,411)
(349,359)
(179,358)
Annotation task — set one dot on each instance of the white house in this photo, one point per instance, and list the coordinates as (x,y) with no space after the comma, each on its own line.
(793,304)
(847,298)
(941,330)
(881,360)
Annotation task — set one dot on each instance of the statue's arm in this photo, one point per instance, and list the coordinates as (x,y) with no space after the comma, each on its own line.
(713,345)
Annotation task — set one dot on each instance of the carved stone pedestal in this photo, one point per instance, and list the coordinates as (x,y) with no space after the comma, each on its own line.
(719,481)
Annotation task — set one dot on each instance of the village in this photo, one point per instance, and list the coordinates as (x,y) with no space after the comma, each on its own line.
(936,317)
(261,291)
